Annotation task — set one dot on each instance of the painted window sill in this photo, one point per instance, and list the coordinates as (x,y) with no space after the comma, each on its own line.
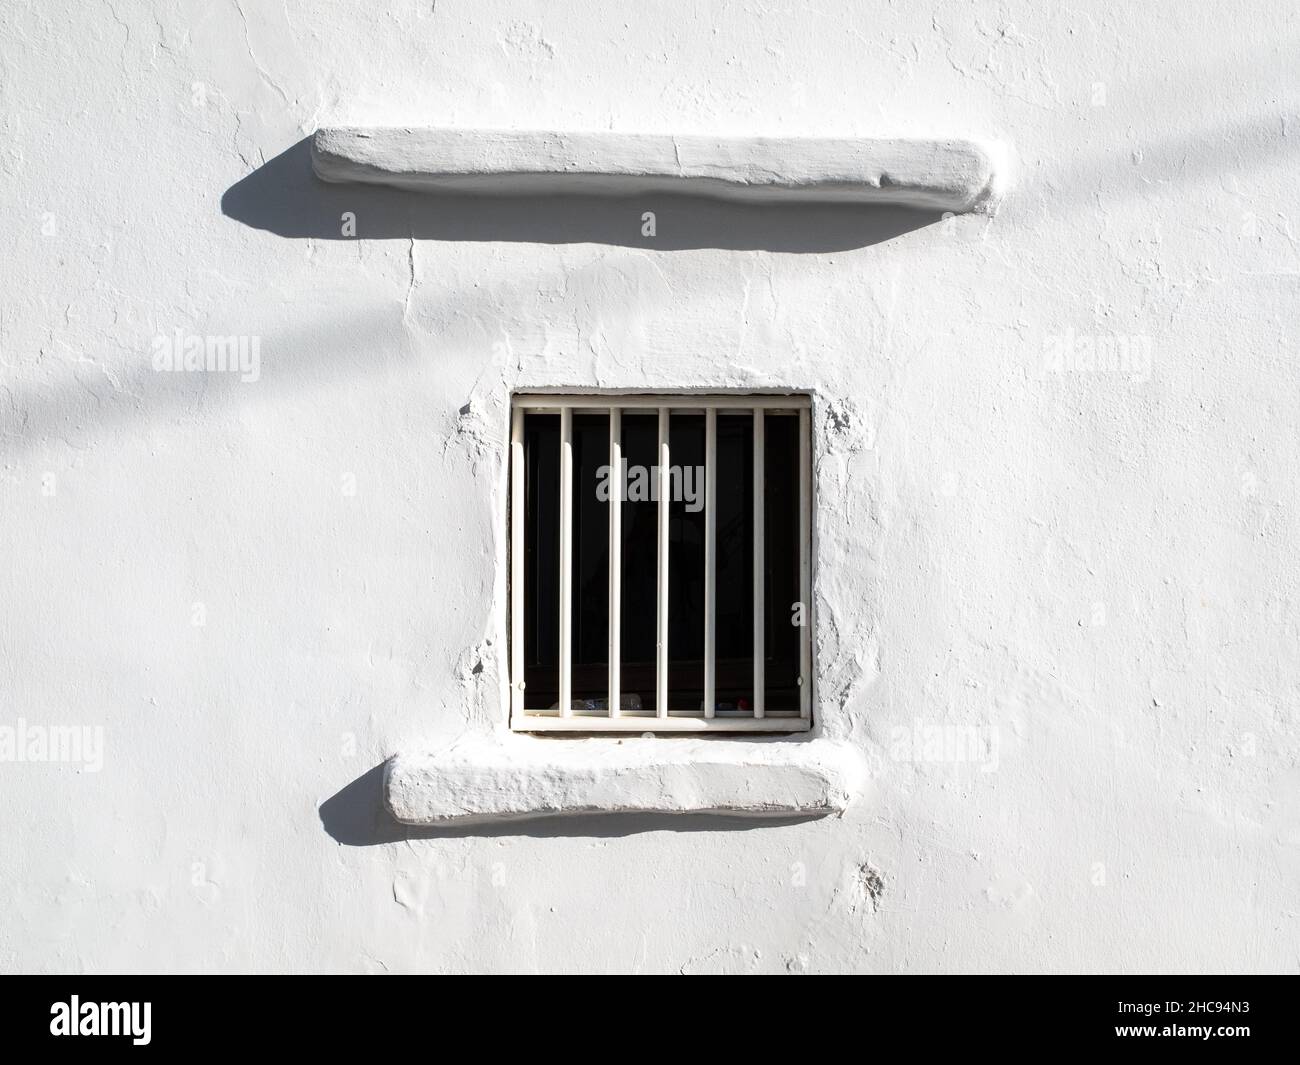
(517,777)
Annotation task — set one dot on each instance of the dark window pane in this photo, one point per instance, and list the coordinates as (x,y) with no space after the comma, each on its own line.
(640,552)
(781,561)
(541,560)
(590,598)
(686,563)
(734,670)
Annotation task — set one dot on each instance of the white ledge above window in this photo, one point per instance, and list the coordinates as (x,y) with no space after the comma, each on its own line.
(481,781)
(947,175)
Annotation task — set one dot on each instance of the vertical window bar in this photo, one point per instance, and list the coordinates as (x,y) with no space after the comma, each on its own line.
(760,649)
(615,556)
(805,566)
(710,559)
(566,561)
(517,475)
(661,641)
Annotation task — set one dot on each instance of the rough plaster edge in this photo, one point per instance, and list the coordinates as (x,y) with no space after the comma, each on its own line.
(479,781)
(948,175)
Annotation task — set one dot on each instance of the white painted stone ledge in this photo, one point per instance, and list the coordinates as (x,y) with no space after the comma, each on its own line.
(948,175)
(511,778)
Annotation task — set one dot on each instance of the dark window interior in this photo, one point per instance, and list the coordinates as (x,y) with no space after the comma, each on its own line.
(735,545)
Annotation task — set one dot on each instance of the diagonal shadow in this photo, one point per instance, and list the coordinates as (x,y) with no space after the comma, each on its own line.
(325,350)
(356,816)
(285,197)
(1168,162)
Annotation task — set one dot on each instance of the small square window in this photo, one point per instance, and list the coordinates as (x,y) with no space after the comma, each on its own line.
(660,555)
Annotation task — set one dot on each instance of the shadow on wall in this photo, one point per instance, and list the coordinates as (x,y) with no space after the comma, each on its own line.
(357,817)
(319,351)
(285,197)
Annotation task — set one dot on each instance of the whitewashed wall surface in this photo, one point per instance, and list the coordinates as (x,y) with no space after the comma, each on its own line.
(1055,463)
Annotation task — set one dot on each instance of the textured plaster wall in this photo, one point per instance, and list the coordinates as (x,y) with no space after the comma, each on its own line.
(1057,601)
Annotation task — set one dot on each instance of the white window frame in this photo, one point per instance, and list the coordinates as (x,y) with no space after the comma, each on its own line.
(663,717)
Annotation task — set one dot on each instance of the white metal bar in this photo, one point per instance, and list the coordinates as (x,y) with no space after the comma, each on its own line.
(615,557)
(566,561)
(710,559)
(657,400)
(760,648)
(661,612)
(805,567)
(517,475)
(646,723)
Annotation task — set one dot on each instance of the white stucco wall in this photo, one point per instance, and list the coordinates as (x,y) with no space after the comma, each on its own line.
(1056,603)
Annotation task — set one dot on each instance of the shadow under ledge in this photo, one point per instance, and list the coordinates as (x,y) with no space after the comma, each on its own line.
(284,197)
